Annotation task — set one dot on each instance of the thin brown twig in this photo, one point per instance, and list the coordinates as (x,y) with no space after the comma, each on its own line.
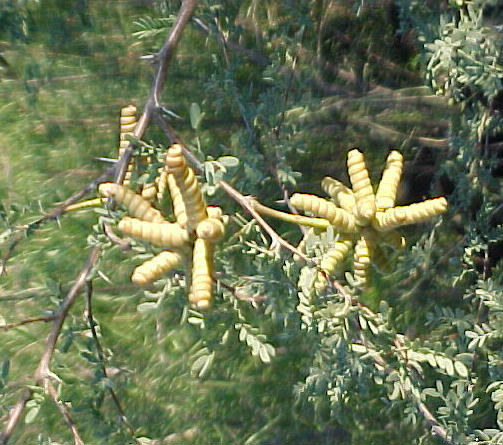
(63,409)
(101,357)
(164,57)
(54,214)
(118,170)
(42,374)
(243,201)
(16,324)
(123,243)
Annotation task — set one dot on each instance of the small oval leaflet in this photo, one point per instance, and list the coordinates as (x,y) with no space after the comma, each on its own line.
(228,161)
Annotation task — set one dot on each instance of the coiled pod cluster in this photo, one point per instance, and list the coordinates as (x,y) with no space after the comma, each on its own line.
(358,214)
(411,214)
(361,262)
(342,195)
(212,228)
(196,230)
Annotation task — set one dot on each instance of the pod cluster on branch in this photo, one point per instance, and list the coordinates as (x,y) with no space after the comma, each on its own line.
(186,242)
(363,219)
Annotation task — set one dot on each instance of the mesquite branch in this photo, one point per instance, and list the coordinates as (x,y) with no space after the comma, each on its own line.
(101,356)
(244,201)
(42,373)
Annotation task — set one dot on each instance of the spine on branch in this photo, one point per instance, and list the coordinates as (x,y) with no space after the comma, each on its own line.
(165,234)
(339,218)
(152,269)
(135,204)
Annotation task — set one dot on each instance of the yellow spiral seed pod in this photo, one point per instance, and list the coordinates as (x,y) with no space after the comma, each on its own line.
(149,191)
(386,192)
(202,284)
(339,218)
(214,212)
(127,126)
(411,214)
(179,209)
(361,262)
(421,211)
(210,229)
(185,179)
(128,119)
(362,188)
(152,269)
(331,260)
(161,183)
(343,195)
(135,204)
(389,219)
(165,234)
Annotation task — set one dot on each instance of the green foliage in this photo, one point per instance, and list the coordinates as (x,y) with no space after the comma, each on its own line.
(269,96)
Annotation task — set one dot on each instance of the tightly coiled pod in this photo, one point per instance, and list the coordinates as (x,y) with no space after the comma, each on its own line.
(164,234)
(411,214)
(161,181)
(135,204)
(127,126)
(331,260)
(342,220)
(361,263)
(388,186)
(343,195)
(152,269)
(156,188)
(188,188)
(212,228)
(362,188)
(202,283)
(179,208)
(149,191)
